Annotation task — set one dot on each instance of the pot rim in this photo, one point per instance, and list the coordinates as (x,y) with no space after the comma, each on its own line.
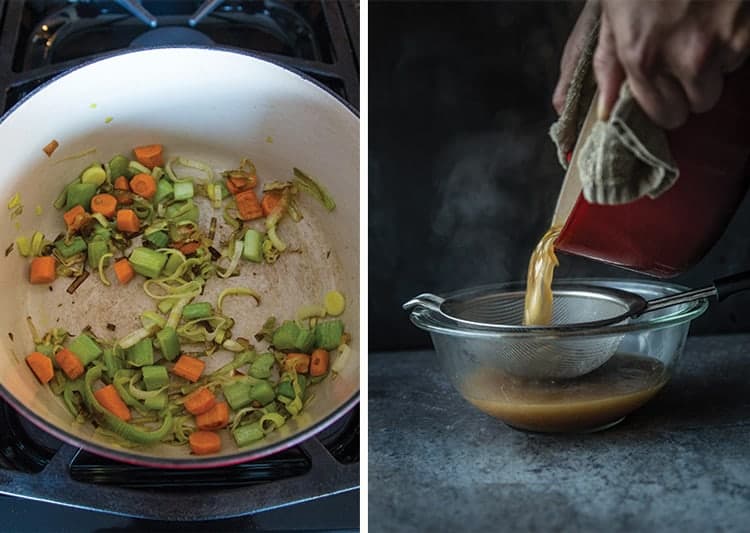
(435,322)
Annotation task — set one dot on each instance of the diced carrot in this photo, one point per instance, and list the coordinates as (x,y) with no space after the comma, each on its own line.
(215,418)
(150,155)
(189,368)
(41,365)
(248,205)
(109,398)
(123,197)
(42,270)
(127,221)
(124,271)
(69,363)
(204,442)
(300,362)
(121,184)
(188,248)
(237,185)
(269,202)
(143,185)
(106,204)
(200,401)
(75,217)
(319,362)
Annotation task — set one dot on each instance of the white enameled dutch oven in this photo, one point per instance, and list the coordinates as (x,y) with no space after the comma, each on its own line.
(213,105)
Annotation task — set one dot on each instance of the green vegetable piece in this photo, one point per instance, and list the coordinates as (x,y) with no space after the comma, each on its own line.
(180,211)
(164,190)
(183,190)
(80,194)
(112,362)
(328,334)
(85,348)
(101,233)
(285,336)
(94,174)
(46,349)
(76,246)
(252,250)
(261,367)
(285,389)
(141,353)
(155,376)
(97,249)
(147,262)
(156,403)
(197,311)
(173,262)
(262,392)
(169,343)
(237,394)
(302,380)
(247,434)
(118,166)
(305,340)
(160,239)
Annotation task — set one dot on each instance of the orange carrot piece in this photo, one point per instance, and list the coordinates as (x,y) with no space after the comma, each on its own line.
(123,271)
(204,442)
(69,363)
(215,418)
(319,362)
(127,221)
(269,202)
(143,185)
(106,204)
(237,185)
(300,362)
(188,248)
(110,399)
(75,217)
(42,270)
(248,205)
(189,368)
(41,365)
(150,155)
(121,184)
(123,197)
(200,401)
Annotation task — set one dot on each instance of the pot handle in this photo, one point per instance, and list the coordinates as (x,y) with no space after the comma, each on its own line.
(426,300)
(733,284)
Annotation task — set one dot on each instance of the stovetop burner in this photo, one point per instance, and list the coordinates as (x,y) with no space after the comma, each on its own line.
(40,39)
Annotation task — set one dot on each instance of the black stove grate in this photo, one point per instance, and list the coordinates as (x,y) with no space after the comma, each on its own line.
(319,38)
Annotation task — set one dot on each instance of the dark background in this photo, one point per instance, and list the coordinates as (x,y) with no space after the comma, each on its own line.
(462,175)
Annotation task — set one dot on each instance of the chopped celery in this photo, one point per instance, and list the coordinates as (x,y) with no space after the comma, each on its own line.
(181,211)
(155,376)
(80,194)
(173,262)
(262,392)
(285,389)
(165,305)
(183,190)
(237,394)
(147,262)
(244,435)
(24,246)
(141,353)
(85,348)
(112,362)
(285,337)
(97,249)
(101,233)
(261,367)
(163,190)
(305,340)
(76,246)
(118,166)
(160,239)
(94,174)
(169,343)
(156,403)
(197,311)
(252,250)
(328,334)
(46,349)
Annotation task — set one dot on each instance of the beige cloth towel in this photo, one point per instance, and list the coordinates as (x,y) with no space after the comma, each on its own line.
(623,159)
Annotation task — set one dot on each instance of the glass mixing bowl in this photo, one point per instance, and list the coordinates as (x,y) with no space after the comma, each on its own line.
(647,349)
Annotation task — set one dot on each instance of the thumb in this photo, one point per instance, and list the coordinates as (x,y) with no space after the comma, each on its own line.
(608,70)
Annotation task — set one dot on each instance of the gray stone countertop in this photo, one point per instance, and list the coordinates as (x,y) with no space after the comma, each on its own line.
(680,463)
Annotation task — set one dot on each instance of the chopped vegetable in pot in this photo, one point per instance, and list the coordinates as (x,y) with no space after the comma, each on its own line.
(139,217)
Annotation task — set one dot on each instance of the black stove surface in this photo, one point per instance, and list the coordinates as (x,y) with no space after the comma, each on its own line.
(46,485)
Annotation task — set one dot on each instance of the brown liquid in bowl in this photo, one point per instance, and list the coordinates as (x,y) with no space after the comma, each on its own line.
(590,402)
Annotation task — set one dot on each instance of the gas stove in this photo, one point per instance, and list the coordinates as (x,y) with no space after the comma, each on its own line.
(40,39)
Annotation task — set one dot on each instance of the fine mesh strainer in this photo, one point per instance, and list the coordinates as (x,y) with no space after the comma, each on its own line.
(569,347)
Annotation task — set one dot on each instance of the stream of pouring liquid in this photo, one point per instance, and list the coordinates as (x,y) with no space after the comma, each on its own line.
(538,303)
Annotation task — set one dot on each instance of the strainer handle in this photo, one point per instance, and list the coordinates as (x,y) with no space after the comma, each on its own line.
(427,300)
